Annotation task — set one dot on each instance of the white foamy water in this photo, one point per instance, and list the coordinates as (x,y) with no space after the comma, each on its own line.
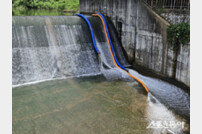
(47,48)
(162,120)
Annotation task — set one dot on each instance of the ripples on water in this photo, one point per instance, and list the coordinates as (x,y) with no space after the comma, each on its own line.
(47,48)
(89,105)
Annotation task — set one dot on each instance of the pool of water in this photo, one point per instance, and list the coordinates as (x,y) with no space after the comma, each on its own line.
(90,105)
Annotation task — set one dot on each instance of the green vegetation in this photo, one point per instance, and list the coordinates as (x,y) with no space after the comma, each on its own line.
(46,4)
(178,34)
(39,12)
(20,6)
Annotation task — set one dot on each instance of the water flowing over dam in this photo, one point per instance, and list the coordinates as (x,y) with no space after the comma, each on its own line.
(46,48)
(55,47)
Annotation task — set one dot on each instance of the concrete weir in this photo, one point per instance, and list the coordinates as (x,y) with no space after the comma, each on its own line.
(57,47)
(143,36)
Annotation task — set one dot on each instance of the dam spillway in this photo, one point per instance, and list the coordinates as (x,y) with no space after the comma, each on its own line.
(42,50)
(47,48)
(55,47)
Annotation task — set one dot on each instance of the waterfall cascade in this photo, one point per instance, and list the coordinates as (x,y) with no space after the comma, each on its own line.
(61,46)
(54,47)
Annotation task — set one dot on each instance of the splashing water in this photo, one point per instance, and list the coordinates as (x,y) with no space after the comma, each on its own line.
(46,48)
(162,120)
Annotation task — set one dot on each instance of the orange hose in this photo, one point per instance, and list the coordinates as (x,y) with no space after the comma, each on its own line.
(113,55)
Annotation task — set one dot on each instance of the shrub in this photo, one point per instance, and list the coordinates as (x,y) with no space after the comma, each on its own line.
(46,4)
(178,33)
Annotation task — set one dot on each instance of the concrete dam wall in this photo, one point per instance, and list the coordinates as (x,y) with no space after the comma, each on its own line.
(54,47)
(45,48)
(143,36)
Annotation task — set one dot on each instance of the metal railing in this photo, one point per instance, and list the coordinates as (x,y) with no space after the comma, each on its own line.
(168,4)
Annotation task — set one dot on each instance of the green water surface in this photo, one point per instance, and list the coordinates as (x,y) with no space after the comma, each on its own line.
(79,106)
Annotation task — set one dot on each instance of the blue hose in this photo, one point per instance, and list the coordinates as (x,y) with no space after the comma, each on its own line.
(111,43)
(91,31)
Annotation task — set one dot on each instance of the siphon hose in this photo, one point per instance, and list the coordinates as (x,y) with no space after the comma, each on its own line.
(111,46)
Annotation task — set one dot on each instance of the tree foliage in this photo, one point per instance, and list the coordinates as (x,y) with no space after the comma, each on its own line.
(46,4)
